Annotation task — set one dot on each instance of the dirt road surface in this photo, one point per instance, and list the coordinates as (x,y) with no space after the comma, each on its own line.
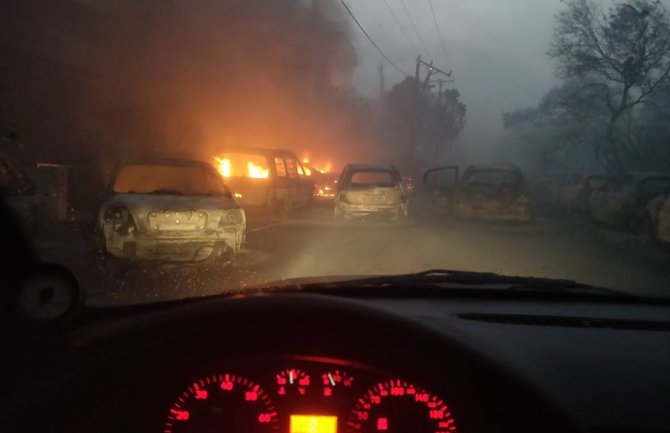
(309,243)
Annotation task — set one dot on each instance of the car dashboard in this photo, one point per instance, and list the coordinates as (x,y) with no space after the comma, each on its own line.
(314,363)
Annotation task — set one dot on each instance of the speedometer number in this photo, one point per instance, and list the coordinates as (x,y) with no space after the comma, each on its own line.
(396,406)
(223,400)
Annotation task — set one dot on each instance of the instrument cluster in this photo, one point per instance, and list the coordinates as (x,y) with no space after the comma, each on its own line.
(306,395)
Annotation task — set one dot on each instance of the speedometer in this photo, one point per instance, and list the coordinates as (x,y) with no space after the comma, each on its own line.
(395,406)
(223,402)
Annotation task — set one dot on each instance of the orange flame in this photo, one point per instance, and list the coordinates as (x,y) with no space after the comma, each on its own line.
(225,167)
(257,171)
(325,168)
(320,167)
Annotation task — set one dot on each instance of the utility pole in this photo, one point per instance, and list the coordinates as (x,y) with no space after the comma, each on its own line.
(414,127)
(416,115)
(381,111)
(382,85)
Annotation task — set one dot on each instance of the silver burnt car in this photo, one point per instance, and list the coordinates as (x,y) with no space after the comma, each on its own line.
(169,210)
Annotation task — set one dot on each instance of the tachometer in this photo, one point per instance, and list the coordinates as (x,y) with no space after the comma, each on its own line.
(223,402)
(395,406)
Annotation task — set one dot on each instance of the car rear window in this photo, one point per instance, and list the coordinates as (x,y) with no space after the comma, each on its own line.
(382,178)
(168,179)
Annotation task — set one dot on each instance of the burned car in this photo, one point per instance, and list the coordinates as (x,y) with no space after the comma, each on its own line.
(574,197)
(19,191)
(325,185)
(622,201)
(370,191)
(169,210)
(494,193)
(269,179)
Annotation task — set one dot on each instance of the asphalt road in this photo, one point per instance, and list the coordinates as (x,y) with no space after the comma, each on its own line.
(309,243)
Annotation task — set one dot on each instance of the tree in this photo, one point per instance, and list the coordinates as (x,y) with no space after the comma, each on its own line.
(623,59)
(560,132)
(440,118)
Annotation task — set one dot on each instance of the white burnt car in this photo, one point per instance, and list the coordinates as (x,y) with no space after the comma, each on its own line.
(170,210)
(371,192)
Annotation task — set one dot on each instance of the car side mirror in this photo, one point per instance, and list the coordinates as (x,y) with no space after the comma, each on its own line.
(49,292)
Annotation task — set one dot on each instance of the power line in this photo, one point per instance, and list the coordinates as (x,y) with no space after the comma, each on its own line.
(439,33)
(390,62)
(400,26)
(416,30)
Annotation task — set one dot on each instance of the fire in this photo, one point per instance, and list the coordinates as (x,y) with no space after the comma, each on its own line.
(225,167)
(257,171)
(321,168)
(325,168)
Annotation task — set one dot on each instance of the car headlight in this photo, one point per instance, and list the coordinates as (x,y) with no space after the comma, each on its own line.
(233,217)
(120,218)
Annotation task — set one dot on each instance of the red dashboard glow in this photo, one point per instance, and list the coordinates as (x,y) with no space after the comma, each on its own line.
(396,405)
(292,380)
(222,400)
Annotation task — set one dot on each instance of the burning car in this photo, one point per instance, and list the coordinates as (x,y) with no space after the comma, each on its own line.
(493,192)
(170,210)
(325,186)
(370,191)
(273,179)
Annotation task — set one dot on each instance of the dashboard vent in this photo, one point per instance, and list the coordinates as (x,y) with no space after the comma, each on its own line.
(569,321)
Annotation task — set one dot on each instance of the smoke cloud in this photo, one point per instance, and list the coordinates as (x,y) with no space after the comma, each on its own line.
(189,78)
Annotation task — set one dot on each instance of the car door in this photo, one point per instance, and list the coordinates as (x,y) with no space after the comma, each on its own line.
(598,199)
(281,186)
(611,199)
(440,187)
(293,184)
(306,183)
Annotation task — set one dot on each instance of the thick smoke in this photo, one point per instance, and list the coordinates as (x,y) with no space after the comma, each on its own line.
(189,78)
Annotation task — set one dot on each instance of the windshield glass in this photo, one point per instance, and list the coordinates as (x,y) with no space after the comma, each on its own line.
(267,140)
(167,179)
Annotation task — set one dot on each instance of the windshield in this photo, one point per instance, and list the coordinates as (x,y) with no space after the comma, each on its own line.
(167,179)
(164,150)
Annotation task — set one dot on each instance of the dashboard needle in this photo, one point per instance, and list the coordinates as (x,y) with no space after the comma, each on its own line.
(332,381)
(290,377)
